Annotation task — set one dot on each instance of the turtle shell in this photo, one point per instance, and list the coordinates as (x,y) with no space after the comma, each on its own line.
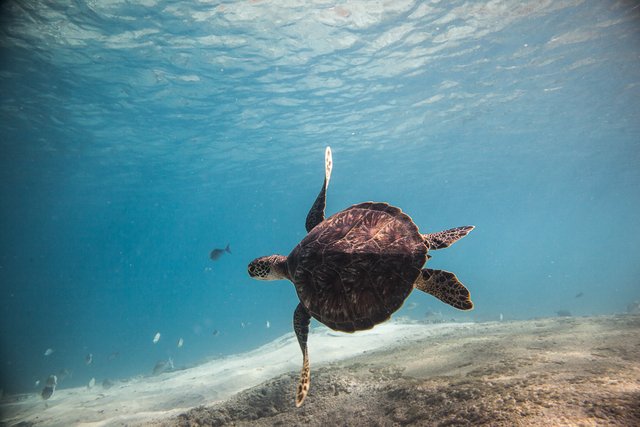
(356,268)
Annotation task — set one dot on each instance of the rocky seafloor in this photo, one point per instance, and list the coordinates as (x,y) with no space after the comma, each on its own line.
(559,371)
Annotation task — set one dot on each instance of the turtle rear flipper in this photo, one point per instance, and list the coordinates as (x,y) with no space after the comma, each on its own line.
(316,214)
(446,287)
(301,320)
(446,238)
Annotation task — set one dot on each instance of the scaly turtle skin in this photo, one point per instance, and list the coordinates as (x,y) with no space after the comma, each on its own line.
(356,268)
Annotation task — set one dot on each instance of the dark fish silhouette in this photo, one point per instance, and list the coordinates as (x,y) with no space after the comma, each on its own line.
(50,386)
(163,366)
(579,294)
(217,253)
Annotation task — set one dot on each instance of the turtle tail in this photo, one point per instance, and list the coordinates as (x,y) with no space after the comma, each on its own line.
(228,248)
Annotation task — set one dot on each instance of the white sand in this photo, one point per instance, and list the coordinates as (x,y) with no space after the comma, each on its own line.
(541,372)
(158,397)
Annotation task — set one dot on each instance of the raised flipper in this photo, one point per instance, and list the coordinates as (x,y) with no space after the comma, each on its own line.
(446,287)
(446,238)
(301,320)
(316,214)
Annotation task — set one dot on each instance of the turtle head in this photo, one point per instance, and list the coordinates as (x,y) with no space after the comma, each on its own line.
(272,267)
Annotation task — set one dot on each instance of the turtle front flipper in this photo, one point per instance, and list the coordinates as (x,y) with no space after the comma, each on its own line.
(316,214)
(446,238)
(301,320)
(446,287)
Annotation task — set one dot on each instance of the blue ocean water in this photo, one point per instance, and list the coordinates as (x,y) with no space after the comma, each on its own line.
(138,136)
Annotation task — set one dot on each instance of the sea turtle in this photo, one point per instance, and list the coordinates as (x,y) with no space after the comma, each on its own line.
(356,268)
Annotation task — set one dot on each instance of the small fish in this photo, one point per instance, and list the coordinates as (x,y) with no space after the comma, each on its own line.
(107,384)
(37,383)
(114,355)
(49,387)
(156,338)
(268,324)
(163,366)
(501,317)
(92,382)
(430,313)
(579,294)
(216,332)
(242,324)
(563,313)
(48,352)
(180,342)
(64,373)
(88,359)
(217,253)
(412,305)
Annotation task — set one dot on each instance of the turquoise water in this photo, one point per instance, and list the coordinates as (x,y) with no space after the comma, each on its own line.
(138,136)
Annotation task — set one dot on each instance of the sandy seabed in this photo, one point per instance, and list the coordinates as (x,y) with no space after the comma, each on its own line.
(557,371)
